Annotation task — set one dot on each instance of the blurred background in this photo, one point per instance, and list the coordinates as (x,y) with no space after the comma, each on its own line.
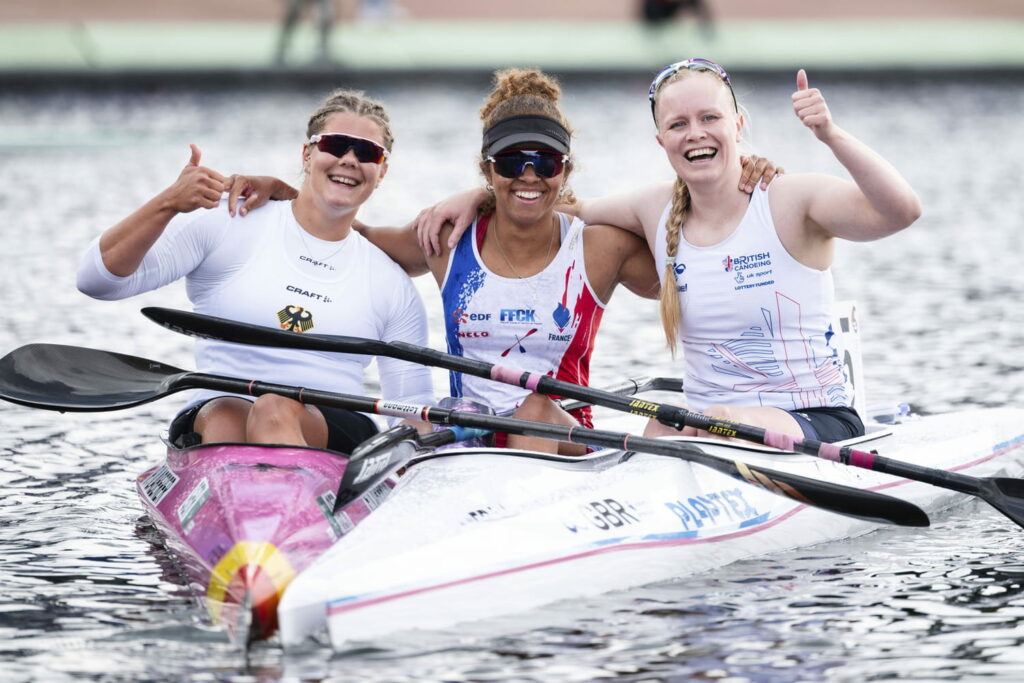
(100,98)
(89,37)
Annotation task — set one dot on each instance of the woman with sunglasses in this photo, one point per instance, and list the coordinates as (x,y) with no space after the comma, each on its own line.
(296,265)
(746,280)
(525,285)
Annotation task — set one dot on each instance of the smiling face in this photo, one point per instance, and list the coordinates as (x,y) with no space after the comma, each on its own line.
(340,185)
(529,198)
(698,126)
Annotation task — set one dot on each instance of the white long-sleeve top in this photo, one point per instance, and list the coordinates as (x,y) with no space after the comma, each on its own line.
(265,269)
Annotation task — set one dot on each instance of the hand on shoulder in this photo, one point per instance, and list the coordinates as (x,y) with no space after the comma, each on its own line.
(255,191)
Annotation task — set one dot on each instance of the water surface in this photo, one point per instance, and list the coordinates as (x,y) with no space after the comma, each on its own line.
(89,591)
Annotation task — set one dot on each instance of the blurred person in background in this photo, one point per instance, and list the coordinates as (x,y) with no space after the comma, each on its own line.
(324,24)
(658,13)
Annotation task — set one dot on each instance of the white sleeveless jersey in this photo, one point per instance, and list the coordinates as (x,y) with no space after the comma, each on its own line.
(544,324)
(266,270)
(756,324)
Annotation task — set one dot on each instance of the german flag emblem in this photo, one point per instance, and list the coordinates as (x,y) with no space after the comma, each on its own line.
(295,319)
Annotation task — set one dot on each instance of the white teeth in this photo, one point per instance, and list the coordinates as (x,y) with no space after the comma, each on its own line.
(343,180)
(524,194)
(703,151)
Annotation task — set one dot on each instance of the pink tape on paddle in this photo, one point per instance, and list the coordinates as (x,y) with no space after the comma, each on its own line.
(778,440)
(830,451)
(862,459)
(513,377)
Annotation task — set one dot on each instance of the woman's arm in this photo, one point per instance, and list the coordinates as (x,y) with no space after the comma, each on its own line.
(123,246)
(877,203)
(614,257)
(400,244)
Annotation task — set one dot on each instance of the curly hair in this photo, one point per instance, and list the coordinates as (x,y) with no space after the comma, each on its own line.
(523,91)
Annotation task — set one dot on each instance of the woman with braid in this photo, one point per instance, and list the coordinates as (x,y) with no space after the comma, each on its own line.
(746,280)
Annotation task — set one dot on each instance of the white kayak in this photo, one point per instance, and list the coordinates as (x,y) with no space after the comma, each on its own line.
(473,534)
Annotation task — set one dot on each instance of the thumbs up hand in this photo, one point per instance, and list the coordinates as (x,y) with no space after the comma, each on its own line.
(810,107)
(197,187)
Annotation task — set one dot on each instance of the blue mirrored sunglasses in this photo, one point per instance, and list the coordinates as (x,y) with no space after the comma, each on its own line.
(696,64)
(513,163)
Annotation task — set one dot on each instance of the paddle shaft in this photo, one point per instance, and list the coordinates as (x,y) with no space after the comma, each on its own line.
(675,416)
(834,497)
(444,416)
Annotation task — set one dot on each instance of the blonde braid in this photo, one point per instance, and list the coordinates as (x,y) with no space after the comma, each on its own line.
(669,303)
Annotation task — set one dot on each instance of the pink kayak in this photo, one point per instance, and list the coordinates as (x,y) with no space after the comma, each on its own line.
(245,519)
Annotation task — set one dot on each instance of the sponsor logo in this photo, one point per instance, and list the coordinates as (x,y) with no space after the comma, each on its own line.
(561,315)
(295,319)
(720,507)
(306,292)
(394,409)
(473,335)
(375,464)
(639,407)
(314,262)
(678,269)
(518,343)
(761,259)
(518,315)
(750,270)
(460,316)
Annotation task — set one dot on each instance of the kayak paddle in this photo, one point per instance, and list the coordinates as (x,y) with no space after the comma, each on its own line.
(72,378)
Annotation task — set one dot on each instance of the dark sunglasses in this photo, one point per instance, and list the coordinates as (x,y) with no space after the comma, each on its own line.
(512,164)
(338,144)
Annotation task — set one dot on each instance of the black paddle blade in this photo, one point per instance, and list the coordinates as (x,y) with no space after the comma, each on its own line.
(72,378)
(1005,494)
(373,461)
(860,503)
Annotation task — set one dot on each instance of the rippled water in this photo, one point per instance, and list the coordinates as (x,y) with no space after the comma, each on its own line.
(88,592)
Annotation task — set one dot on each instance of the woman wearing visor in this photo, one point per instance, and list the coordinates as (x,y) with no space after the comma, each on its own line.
(297,265)
(746,279)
